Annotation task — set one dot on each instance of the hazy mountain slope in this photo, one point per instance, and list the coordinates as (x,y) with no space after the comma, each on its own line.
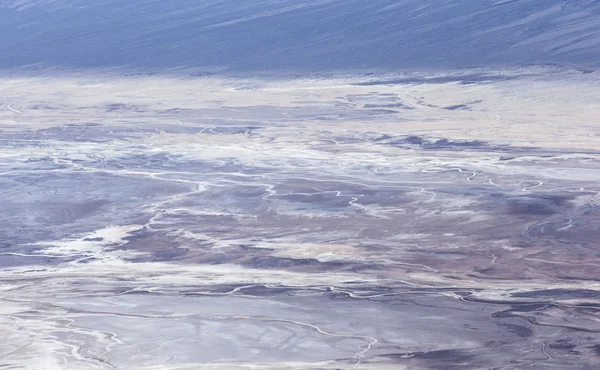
(298,34)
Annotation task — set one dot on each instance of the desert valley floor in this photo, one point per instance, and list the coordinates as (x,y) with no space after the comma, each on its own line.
(418,221)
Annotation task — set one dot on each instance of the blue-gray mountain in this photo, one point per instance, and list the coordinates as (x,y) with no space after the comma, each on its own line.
(298,35)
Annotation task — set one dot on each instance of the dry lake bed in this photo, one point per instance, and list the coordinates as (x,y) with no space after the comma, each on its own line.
(417,221)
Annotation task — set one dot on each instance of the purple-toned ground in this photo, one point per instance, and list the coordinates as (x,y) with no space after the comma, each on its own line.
(443,221)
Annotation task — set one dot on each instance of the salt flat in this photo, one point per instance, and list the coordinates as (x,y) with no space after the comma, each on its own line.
(388,221)
(295,184)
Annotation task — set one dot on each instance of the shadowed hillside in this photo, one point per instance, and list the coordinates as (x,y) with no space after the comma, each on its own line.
(301,35)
